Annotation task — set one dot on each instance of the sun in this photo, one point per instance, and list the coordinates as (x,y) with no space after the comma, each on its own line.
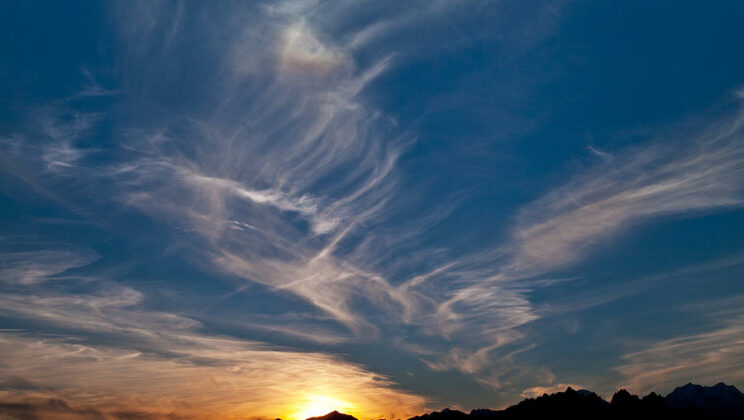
(318,405)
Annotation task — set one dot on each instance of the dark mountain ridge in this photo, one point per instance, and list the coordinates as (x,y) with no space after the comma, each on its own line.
(721,401)
(689,402)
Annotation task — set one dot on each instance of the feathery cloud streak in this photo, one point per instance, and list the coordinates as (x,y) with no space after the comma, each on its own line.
(714,355)
(161,364)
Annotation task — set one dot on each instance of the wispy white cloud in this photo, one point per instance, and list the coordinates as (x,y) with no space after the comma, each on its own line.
(596,297)
(304,149)
(304,164)
(26,267)
(599,153)
(669,177)
(488,293)
(159,363)
(277,171)
(103,311)
(202,378)
(52,144)
(713,355)
(301,51)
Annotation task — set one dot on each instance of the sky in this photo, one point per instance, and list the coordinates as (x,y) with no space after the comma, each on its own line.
(261,209)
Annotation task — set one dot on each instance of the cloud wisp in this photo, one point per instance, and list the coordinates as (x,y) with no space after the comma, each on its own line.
(276,183)
(202,378)
(28,267)
(160,364)
(675,177)
(713,355)
(669,177)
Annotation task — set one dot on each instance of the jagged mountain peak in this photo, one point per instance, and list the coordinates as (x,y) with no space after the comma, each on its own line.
(688,402)
(720,401)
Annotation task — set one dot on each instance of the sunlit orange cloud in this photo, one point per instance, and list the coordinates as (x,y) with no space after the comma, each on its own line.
(537,391)
(207,378)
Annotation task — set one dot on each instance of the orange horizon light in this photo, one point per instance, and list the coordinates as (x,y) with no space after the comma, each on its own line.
(319,405)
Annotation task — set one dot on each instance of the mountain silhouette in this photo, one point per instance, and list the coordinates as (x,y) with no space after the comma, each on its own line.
(445,414)
(720,402)
(690,402)
(334,415)
(580,405)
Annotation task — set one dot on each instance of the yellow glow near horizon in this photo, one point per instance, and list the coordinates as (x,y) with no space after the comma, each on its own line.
(319,405)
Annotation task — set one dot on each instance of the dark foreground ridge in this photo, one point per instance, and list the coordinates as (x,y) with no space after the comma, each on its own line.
(689,402)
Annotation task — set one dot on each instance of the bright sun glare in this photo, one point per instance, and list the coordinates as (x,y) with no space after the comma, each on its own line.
(318,405)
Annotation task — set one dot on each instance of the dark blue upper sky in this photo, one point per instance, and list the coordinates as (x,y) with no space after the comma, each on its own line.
(381,207)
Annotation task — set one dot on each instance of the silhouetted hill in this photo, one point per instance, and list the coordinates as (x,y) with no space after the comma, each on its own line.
(445,414)
(626,405)
(580,405)
(690,402)
(483,414)
(720,402)
(334,415)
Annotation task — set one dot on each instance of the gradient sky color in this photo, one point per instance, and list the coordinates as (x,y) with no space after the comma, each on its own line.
(260,209)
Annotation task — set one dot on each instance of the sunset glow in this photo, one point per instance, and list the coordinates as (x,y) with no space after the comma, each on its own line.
(318,405)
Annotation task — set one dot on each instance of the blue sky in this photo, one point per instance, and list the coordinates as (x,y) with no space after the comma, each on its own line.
(265,209)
